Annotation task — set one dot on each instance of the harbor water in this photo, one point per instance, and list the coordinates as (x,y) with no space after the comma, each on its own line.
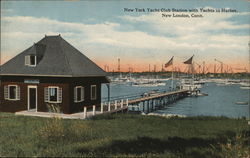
(221,100)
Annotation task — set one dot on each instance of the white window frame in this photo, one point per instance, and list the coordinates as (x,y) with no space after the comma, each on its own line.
(57,97)
(76,94)
(91,97)
(28,63)
(15,94)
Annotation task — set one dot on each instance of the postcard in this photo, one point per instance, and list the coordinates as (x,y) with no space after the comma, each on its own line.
(134,78)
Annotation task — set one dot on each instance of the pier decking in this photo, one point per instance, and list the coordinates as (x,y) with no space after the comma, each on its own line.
(144,104)
(157,101)
(161,95)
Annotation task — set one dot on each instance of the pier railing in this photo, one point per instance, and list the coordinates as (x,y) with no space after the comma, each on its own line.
(141,104)
(106,108)
(132,96)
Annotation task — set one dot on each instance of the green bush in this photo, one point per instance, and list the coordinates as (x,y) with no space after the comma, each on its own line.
(124,136)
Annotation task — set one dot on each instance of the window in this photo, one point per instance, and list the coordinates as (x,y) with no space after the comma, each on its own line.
(12,92)
(33,60)
(79,94)
(30,60)
(93,92)
(53,94)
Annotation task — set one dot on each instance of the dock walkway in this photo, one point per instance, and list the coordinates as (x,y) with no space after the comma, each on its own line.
(161,95)
(147,103)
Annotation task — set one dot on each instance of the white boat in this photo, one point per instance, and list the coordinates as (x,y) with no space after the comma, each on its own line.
(190,87)
(225,82)
(148,84)
(200,81)
(245,85)
(221,82)
(241,103)
(121,80)
(190,84)
(202,94)
(234,81)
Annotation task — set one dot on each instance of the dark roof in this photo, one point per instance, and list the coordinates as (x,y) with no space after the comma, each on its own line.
(55,57)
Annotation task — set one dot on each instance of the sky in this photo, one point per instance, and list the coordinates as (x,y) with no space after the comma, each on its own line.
(104,31)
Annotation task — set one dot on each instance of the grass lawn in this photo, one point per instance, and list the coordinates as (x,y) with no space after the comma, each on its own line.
(124,136)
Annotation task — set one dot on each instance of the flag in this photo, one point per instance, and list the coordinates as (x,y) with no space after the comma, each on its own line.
(189,61)
(170,62)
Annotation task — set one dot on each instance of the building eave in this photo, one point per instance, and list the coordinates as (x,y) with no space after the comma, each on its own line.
(44,75)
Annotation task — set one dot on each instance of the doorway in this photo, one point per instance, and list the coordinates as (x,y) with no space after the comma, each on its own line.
(32,98)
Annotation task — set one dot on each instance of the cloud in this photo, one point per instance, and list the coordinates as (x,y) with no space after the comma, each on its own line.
(5,11)
(104,41)
(183,26)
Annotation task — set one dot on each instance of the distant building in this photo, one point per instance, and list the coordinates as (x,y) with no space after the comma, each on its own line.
(50,72)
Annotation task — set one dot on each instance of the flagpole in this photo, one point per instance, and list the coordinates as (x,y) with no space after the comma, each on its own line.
(193,71)
(169,63)
(172,84)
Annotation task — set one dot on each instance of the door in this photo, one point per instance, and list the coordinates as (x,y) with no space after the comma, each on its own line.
(32,98)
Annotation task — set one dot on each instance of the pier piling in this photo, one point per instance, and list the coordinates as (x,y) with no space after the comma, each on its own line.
(93,110)
(101,107)
(109,106)
(85,112)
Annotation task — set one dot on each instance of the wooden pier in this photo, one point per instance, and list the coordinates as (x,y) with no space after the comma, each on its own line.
(157,101)
(144,104)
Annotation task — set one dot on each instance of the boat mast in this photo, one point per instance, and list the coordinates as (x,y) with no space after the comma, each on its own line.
(119,69)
